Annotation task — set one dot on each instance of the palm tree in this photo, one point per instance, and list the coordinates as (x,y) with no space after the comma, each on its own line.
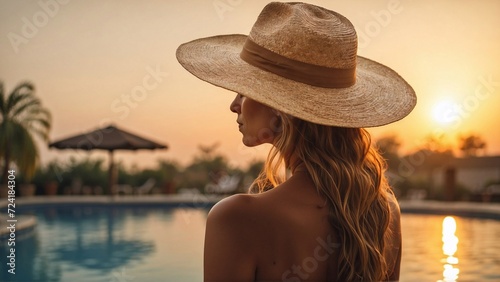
(21,117)
(471,145)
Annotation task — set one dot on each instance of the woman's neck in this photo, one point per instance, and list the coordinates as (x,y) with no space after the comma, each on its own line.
(295,164)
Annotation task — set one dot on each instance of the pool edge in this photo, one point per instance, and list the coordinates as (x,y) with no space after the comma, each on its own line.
(468,209)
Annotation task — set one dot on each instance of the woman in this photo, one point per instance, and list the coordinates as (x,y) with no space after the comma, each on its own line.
(302,88)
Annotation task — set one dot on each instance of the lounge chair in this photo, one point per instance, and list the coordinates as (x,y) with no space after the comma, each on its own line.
(146,187)
(226,185)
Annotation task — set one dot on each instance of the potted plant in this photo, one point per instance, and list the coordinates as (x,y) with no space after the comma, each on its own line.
(47,178)
(25,186)
(4,189)
(53,175)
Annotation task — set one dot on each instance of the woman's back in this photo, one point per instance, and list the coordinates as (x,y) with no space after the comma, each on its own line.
(302,88)
(280,235)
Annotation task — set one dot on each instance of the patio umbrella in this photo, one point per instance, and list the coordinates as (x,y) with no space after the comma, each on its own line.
(108,138)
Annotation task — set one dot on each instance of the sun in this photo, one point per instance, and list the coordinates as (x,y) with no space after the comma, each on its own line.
(444,111)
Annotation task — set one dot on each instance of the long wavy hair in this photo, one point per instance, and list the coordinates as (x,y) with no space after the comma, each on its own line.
(349,173)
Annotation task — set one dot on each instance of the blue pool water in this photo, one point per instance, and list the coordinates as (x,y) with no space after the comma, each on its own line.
(166,244)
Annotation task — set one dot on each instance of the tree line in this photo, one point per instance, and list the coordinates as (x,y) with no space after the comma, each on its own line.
(207,166)
(414,171)
(23,118)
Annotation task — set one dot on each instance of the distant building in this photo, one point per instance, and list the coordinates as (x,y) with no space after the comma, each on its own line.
(445,177)
(472,173)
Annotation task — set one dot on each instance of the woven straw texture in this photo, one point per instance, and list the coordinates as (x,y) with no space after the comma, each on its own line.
(313,35)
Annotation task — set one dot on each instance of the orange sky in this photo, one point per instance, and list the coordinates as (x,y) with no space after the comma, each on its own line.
(89,58)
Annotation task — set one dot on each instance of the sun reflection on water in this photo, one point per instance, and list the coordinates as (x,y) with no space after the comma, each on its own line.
(450,246)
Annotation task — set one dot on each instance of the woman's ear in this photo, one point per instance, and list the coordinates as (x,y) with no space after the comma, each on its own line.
(277,121)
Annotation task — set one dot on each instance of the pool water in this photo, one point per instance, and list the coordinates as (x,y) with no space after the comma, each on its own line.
(436,248)
(166,244)
(111,244)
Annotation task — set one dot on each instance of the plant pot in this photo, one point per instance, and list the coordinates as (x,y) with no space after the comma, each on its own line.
(27,190)
(50,188)
(4,191)
(169,188)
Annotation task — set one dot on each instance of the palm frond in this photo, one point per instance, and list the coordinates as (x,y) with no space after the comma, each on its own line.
(2,98)
(22,117)
(38,127)
(24,152)
(21,148)
(6,136)
(22,91)
(24,106)
(39,121)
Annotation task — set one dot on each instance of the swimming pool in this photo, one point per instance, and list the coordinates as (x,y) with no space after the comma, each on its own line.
(120,243)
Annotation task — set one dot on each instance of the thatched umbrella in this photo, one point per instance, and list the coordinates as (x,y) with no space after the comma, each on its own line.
(109,138)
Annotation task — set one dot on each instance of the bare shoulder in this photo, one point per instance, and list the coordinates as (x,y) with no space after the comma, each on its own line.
(234,216)
(228,235)
(232,208)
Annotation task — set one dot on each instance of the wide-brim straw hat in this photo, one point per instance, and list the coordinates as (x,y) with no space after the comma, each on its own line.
(302,60)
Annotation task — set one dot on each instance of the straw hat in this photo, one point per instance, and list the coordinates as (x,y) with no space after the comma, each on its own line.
(301,59)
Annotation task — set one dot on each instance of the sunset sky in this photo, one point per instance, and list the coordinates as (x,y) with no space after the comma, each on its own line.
(90,59)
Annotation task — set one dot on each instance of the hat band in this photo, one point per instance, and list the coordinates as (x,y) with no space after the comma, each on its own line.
(314,75)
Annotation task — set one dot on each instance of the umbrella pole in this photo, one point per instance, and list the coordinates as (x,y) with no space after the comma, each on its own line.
(111,174)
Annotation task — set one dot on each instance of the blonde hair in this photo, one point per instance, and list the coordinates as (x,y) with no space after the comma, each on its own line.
(349,173)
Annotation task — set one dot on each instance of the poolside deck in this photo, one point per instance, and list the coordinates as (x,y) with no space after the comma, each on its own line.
(164,200)
(201,200)
(467,209)
(26,223)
